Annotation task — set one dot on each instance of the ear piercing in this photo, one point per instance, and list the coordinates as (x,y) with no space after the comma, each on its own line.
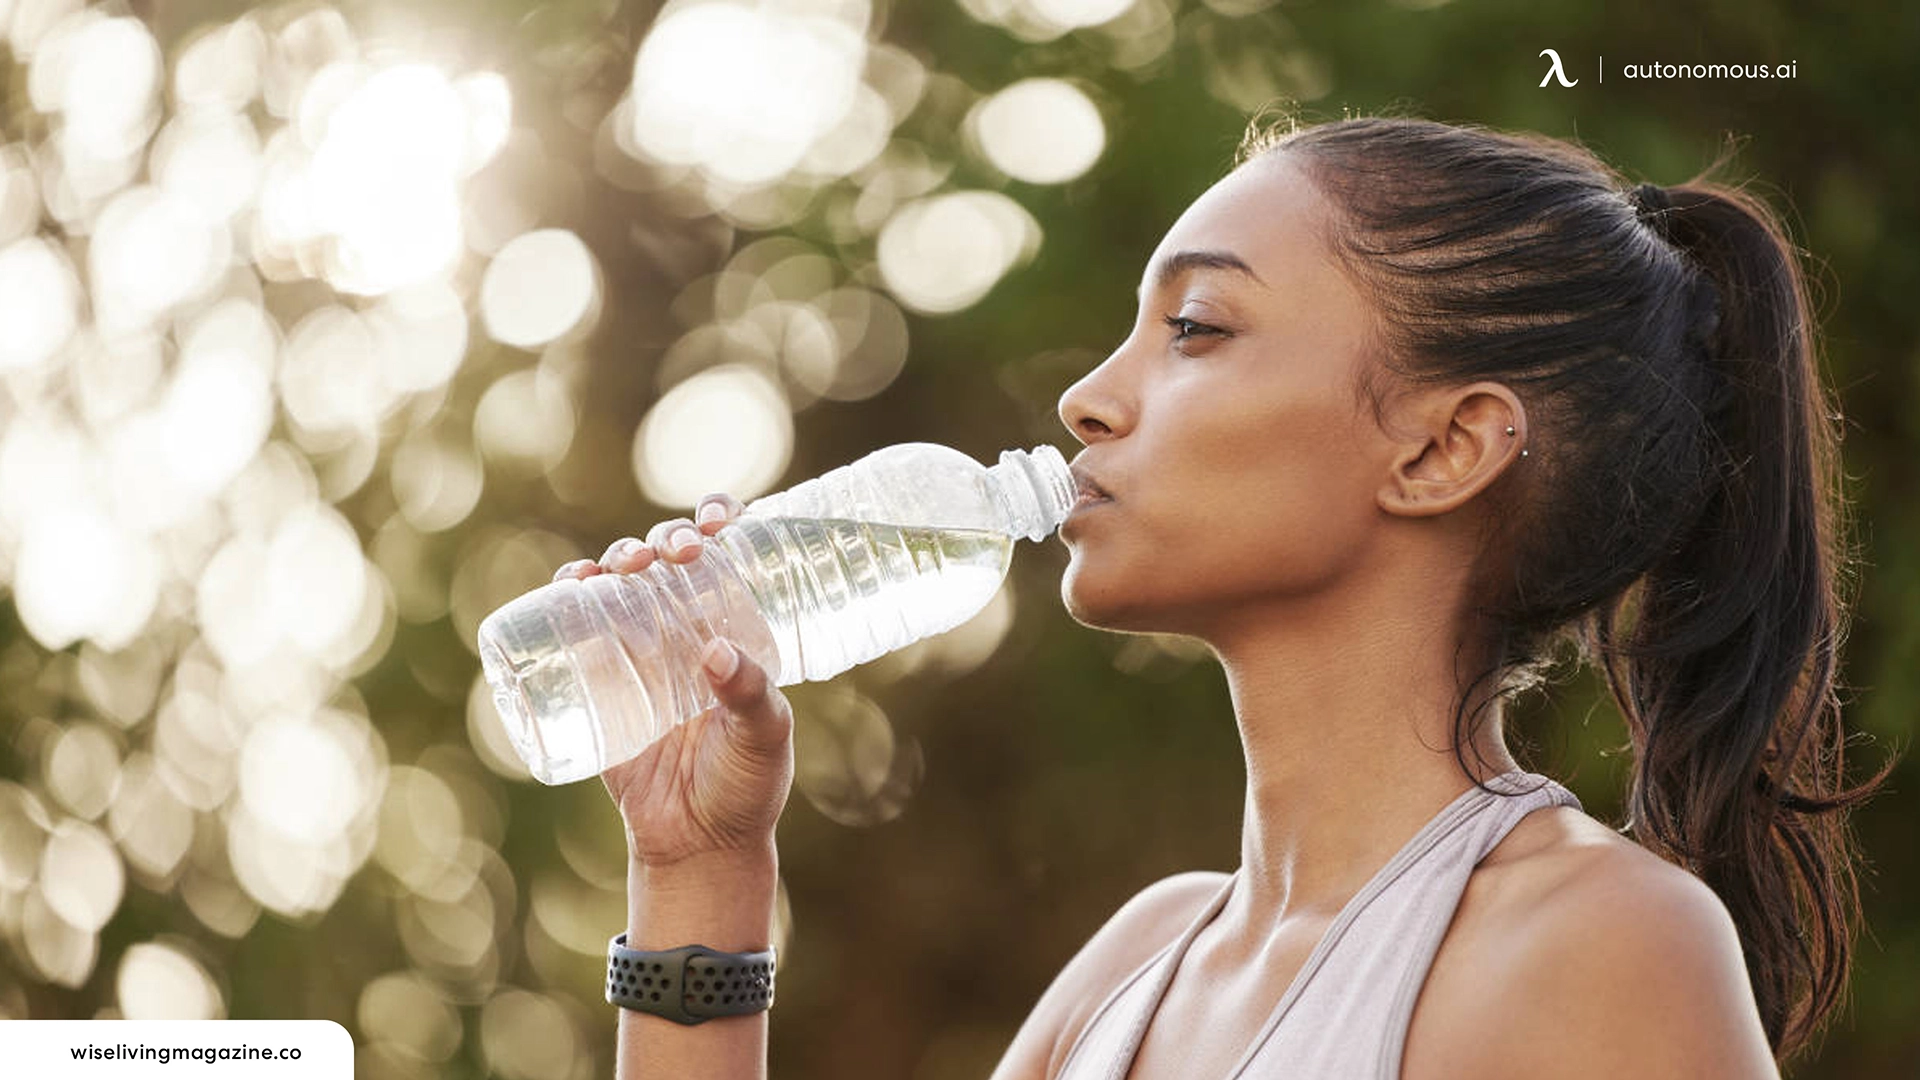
(1523,451)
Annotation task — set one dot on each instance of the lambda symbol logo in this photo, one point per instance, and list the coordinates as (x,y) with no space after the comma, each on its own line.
(1554,70)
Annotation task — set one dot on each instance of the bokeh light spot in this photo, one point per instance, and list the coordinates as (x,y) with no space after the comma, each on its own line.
(218,410)
(539,287)
(1043,131)
(39,302)
(408,1013)
(108,604)
(209,162)
(63,954)
(728,429)
(1077,13)
(943,253)
(848,763)
(81,875)
(151,252)
(160,982)
(525,417)
(743,90)
(82,769)
(24,827)
(19,195)
(298,780)
(435,480)
(528,1036)
(422,337)
(222,68)
(153,827)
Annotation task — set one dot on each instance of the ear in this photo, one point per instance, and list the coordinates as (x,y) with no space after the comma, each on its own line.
(1452,444)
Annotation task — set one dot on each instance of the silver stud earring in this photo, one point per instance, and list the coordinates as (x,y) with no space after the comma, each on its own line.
(1509,431)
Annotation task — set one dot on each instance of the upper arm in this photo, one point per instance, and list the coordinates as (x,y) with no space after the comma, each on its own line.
(1139,929)
(1633,972)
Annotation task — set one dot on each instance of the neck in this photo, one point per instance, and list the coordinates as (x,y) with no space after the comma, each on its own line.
(1345,708)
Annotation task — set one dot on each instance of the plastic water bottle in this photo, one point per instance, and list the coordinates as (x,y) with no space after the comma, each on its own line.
(870,557)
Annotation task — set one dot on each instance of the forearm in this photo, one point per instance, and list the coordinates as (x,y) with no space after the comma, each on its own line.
(724,901)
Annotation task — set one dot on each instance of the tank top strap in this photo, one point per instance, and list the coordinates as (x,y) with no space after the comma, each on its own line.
(1107,1044)
(1346,1014)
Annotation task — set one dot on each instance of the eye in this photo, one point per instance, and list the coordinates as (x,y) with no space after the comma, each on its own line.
(1187,329)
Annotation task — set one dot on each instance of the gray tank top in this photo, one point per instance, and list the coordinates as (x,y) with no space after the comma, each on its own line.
(1345,1015)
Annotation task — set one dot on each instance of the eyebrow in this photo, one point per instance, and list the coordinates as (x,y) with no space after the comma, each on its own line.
(1181,263)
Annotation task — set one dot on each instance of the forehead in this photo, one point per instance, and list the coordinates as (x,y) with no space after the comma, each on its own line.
(1267,215)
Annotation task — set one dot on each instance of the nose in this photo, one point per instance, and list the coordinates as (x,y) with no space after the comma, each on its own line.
(1091,408)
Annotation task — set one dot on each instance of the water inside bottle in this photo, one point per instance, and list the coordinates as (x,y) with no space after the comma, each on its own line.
(848,591)
(578,693)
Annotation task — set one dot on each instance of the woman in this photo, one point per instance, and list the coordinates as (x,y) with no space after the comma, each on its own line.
(1411,407)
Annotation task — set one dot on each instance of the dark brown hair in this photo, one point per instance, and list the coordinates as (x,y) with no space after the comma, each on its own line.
(1677,521)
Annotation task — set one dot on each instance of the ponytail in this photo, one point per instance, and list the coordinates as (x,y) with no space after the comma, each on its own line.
(1723,657)
(1679,520)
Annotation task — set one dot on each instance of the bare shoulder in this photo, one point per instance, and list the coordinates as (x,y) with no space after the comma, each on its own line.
(1611,962)
(1142,927)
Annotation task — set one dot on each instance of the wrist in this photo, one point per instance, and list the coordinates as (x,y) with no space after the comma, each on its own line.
(724,900)
(718,866)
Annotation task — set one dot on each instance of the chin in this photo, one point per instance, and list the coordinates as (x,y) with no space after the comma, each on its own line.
(1107,609)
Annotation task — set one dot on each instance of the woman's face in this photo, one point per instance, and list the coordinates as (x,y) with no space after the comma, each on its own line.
(1241,463)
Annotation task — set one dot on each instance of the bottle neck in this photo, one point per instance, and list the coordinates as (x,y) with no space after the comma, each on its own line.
(1035,488)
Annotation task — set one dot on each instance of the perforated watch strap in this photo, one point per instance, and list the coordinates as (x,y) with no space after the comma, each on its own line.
(689,984)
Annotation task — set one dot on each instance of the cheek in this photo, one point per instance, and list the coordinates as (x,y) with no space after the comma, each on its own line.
(1295,543)
(1289,452)
(1258,492)
(1276,498)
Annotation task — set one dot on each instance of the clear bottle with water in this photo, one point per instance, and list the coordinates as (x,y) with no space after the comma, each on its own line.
(906,542)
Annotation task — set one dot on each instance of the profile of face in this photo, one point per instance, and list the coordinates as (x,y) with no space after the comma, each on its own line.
(1243,464)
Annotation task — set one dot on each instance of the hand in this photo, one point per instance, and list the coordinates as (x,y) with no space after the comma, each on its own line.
(714,785)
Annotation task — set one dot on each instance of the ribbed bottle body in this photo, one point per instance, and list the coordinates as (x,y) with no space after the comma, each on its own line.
(588,672)
(837,592)
(905,543)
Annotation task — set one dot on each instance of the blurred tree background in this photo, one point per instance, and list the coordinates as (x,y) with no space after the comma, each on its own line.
(325,329)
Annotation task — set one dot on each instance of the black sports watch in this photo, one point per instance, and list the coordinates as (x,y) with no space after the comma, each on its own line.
(690,984)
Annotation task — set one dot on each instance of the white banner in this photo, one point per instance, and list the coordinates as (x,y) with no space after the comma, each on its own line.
(176,1049)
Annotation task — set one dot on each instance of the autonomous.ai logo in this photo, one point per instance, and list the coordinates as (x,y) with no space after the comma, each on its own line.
(1554,70)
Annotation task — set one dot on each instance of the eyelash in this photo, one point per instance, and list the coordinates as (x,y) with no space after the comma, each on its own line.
(1188,329)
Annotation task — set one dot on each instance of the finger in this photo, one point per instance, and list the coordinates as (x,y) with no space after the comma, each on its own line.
(626,555)
(714,511)
(578,568)
(675,540)
(757,712)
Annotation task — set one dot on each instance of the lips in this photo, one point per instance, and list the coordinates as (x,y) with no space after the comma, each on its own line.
(1085,487)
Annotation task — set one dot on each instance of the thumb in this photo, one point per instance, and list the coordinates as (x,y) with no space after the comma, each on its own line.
(758,714)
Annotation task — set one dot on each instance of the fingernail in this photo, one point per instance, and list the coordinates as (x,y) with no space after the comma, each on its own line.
(566,570)
(683,537)
(624,549)
(710,513)
(720,660)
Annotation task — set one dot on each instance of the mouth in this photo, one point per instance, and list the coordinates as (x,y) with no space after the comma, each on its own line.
(1086,489)
(1087,494)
